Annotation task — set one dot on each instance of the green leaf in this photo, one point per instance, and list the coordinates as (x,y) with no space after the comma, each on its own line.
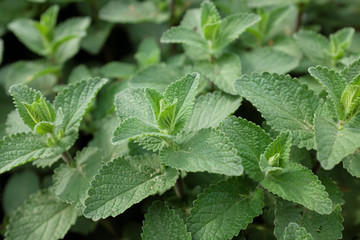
(341,41)
(231,27)
(124,182)
(210,109)
(21,148)
(298,184)
(161,223)
(166,117)
(321,227)
(281,145)
(18,188)
(351,71)
(295,232)
(79,73)
(71,184)
(41,217)
(49,17)
(268,59)
(28,34)
(148,53)
(206,150)
(352,163)
(239,204)
(15,124)
(209,13)
(333,83)
(133,128)
(118,70)
(350,99)
(222,71)
(314,45)
(284,103)
(183,91)
(125,11)
(333,144)
(250,142)
(185,36)
(74,100)
(96,37)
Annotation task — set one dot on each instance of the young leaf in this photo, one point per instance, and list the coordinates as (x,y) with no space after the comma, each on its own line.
(206,150)
(21,148)
(351,71)
(209,13)
(209,110)
(239,205)
(183,91)
(42,217)
(284,102)
(295,232)
(74,100)
(71,184)
(341,41)
(161,223)
(125,181)
(352,163)
(281,145)
(321,227)
(333,83)
(298,184)
(183,35)
(250,142)
(148,53)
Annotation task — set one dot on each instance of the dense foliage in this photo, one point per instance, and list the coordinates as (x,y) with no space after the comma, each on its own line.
(180,119)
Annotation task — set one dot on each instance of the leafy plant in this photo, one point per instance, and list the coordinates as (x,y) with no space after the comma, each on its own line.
(230,123)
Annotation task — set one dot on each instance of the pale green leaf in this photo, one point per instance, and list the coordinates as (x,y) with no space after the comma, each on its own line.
(268,59)
(333,83)
(239,204)
(332,188)
(314,45)
(79,73)
(161,223)
(118,70)
(210,109)
(151,143)
(74,101)
(183,91)
(250,142)
(148,53)
(269,3)
(341,41)
(206,150)
(18,188)
(166,117)
(281,145)
(286,104)
(209,13)
(333,144)
(321,227)
(351,71)
(294,232)
(125,181)
(222,71)
(71,184)
(125,11)
(15,124)
(352,163)
(298,184)
(41,217)
(185,36)
(96,37)
(21,148)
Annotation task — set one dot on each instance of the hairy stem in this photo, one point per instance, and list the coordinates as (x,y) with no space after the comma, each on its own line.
(68,159)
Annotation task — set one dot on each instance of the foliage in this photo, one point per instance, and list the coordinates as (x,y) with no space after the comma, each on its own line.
(178,119)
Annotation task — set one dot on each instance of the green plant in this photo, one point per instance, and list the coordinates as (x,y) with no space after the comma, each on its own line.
(233,128)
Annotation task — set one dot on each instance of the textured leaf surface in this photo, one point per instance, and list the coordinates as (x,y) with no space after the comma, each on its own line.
(223,71)
(21,148)
(351,71)
(42,217)
(71,184)
(74,100)
(239,204)
(250,142)
(352,163)
(209,110)
(333,83)
(321,227)
(298,184)
(124,182)
(334,144)
(183,35)
(284,103)
(206,150)
(295,232)
(161,223)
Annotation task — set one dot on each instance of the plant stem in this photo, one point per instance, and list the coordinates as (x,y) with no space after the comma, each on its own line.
(299,17)
(172,12)
(68,159)
(179,188)
(316,167)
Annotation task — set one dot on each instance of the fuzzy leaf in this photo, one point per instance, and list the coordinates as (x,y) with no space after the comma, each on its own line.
(250,142)
(284,102)
(281,145)
(239,205)
(295,232)
(352,163)
(209,110)
(209,13)
(351,71)
(333,83)
(148,53)
(298,184)
(71,184)
(125,181)
(42,217)
(161,223)
(321,227)
(74,100)
(206,150)
(183,35)
(21,148)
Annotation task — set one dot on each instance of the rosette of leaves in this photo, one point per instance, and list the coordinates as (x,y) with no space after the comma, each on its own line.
(53,127)
(182,136)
